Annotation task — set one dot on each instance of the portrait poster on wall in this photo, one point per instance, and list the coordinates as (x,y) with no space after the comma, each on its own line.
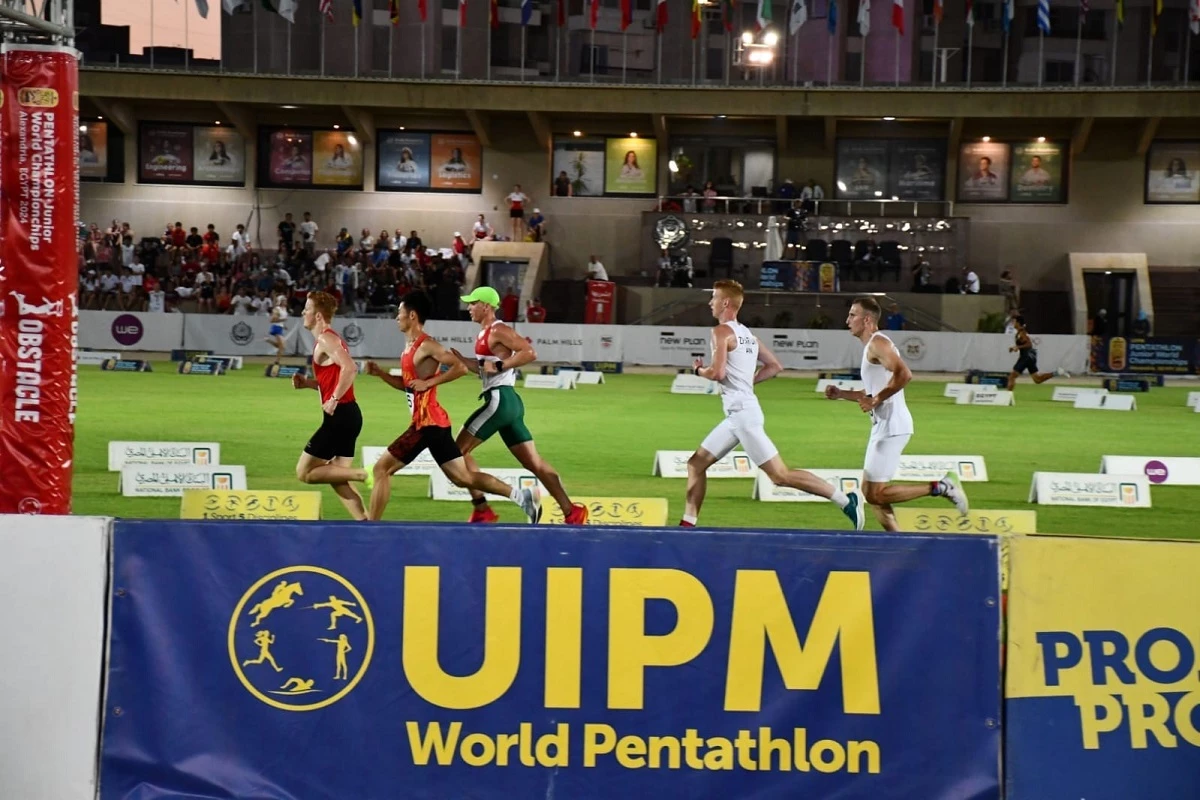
(862,169)
(631,166)
(983,172)
(917,169)
(337,159)
(219,156)
(165,153)
(403,161)
(456,162)
(93,149)
(578,168)
(1039,173)
(289,157)
(1173,172)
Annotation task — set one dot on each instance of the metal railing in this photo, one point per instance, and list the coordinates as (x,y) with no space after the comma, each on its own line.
(763,206)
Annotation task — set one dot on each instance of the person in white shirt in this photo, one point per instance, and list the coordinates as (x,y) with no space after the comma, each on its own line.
(884,376)
(262,304)
(156,301)
(481,230)
(239,243)
(398,240)
(205,286)
(736,355)
(367,242)
(109,283)
(596,271)
(308,233)
(516,212)
(278,333)
(129,293)
(138,270)
(241,304)
(970,283)
(89,289)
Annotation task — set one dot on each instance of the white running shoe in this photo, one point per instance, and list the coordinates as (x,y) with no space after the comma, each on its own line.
(1062,373)
(953,491)
(531,504)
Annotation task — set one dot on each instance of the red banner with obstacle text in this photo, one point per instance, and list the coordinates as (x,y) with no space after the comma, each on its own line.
(39,210)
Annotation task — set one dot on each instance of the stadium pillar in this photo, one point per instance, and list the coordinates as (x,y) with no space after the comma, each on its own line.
(39,321)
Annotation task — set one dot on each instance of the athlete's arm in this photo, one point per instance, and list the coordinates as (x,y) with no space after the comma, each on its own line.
(394,381)
(348,369)
(444,358)
(522,351)
(770,364)
(836,393)
(471,364)
(720,337)
(301,382)
(883,349)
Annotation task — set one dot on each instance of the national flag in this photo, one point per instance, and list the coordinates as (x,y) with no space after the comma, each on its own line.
(287,10)
(763,18)
(526,11)
(1154,20)
(1043,16)
(626,13)
(660,18)
(494,13)
(562,13)
(355,11)
(727,15)
(1120,13)
(864,18)
(422,9)
(202,8)
(325,7)
(1194,13)
(462,13)
(898,16)
(970,14)
(696,19)
(595,14)
(798,17)
(831,22)
(394,11)
(236,6)
(1083,6)
(1006,14)
(939,9)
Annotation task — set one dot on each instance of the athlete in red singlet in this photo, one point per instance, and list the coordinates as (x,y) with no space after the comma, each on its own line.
(329,453)
(421,374)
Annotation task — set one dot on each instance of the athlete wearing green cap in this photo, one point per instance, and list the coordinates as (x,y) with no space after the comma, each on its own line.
(499,352)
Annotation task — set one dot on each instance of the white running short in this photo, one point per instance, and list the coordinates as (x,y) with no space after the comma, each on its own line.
(883,457)
(744,427)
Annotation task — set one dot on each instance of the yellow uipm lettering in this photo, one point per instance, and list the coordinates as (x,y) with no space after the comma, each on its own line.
(481,749)
(630,650)
(564,636)
(843,618)
(501,640)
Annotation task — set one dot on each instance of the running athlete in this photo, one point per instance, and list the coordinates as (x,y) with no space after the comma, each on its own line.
(330,451)
(737,353)
(884,376)
(420,376)
(1028,358)
(276,335)
(499,351)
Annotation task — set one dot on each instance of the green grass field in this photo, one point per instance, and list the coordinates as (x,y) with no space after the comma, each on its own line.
(602,440)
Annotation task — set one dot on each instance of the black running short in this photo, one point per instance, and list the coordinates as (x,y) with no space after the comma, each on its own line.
(1027,361)
(413,441)
(516,213)
(338,434)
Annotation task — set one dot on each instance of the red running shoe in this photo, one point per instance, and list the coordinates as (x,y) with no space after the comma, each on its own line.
(578,515)
(484,515)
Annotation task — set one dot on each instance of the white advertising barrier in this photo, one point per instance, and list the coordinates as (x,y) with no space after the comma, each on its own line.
(1107,402)
(958,389)
(584,378)
(53,574)
(570,376)
(844,385)
(1083,489)
(1193,400)
(693,384)
(94,358)
(547,382)
(198,453)
(673,464)
(848,480)
(441,488)
(242,334)
(422,465)
(986,396)
(989,352)
(1159,470)
(573,344)
(1069,394)
(127,330)
(169,480)
(933,468)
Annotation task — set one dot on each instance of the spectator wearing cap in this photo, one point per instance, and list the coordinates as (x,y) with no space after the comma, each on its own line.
(537,225)
(535,311)
(460,246)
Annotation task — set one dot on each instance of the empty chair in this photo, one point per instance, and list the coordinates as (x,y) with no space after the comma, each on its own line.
(816,250)
(841,253)
(720,256)
(889,257)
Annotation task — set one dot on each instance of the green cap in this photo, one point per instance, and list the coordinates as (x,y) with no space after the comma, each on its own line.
(483,294)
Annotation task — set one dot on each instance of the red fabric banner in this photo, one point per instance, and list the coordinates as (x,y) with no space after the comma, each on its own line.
(39,322)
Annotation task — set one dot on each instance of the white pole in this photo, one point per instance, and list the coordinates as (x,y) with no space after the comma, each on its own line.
(1004,74)
(289,49)
(623,56)
(1079,48)
(592,53)
(522,52)
(862,69)
(934,70)
(391,46)
(970,44)
(796,59)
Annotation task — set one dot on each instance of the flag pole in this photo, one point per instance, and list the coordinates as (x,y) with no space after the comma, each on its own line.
(1116,33)
(1079,47)
(253,19)
(1187,51)
(592,53)
(970,46)
(829,62)
(289,49)
(1004,73)
(522,54)
(1041,50)
(152,35)
(934,71)
(488,72)
(658,54)
(862,70)
(558,50)
(391,48)
(324,24)
(187,53)
(458,47)
(897,34)
(624,56)
(1150,47)
(356,37)
(693,62)
(423,27)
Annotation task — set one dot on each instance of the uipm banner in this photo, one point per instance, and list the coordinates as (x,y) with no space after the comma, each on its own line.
(440,661)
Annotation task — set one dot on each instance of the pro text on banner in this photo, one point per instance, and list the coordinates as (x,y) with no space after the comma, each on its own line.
(421,465)
(440,487)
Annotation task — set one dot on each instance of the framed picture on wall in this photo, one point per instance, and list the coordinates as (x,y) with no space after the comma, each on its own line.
(456,162)
(917,169)
(93,150)
(630,166)
(337,159)
(219,156)
(309,158)
(402,161)
(1039,173)
(165,152)
(577,169)
(983,169)
(188,154)
(1173,172)
(861,171)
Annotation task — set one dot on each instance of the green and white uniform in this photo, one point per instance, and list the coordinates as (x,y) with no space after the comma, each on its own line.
(502,411)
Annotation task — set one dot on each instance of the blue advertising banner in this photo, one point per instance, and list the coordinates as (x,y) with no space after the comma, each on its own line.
(445,661)
(1161,355)
(403,161)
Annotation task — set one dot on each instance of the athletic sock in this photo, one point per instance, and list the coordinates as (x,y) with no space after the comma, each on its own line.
(935,489)
(479,501)
(515,496)
(689,520)
(840,498)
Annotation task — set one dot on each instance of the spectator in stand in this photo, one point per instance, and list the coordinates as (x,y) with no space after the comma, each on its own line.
(343,242)
(241,304)
(481,230)
(223,297)
(970,282)
(922,275)
(1011,290)
(89,288)
(1141,325)
(413,243)
(895,318)
(239,244)
(810,195)
(516,212)
(710,197)
(126,250)
(206,287)
(178,240)
(366,242)
(399,241)
(562,185)
(796,223)
(788,194)
(110,284)
(308,234)
(156,299)
(534,311)
(460,246)
(509,305)
(193,243)
(287,233)
(537,225)
(596,271)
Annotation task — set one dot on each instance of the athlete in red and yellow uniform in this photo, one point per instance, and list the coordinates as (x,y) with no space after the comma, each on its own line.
(421,373)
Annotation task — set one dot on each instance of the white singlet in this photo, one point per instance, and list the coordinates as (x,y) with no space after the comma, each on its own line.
(891,422)
(743,423)
(737,387)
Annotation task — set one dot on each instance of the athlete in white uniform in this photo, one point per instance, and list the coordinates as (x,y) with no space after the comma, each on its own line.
(884,376)
(737,353)
(275,337)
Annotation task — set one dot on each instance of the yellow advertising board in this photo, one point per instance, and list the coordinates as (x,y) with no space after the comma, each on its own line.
(948,520)
(218,504)
(638,511)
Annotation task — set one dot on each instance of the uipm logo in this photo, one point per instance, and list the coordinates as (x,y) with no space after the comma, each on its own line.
(48,307)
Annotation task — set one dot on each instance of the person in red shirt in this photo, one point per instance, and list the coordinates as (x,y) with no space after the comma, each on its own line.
(535,312)
(420,375)
(509,306)
(330,452)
